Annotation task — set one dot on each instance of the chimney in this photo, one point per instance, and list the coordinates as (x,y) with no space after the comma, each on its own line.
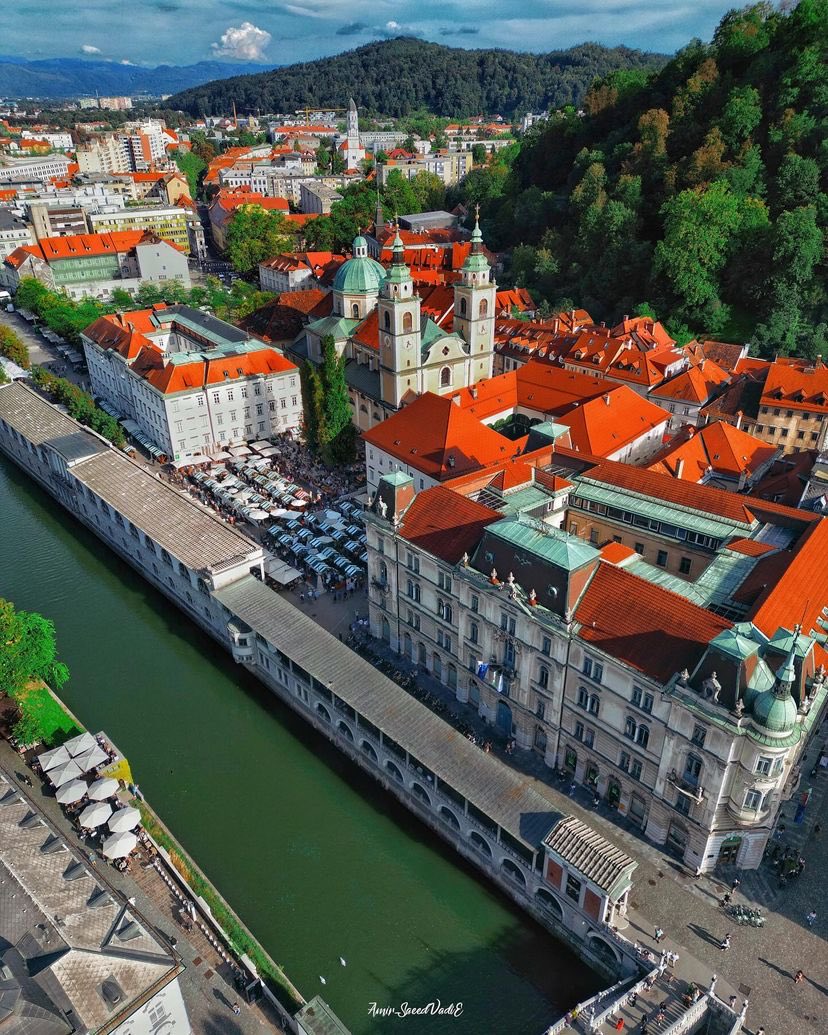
(607,398)
(679,467)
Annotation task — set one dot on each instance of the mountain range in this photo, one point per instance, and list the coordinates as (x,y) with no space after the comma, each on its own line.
(58,78)
(398,76)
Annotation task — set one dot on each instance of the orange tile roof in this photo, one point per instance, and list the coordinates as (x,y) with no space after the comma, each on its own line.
(78,246)
(619,418)
(797,388)
(438,438)
(617,553)
(704,498)
(518,298)
(661,635)
(696,384)
(800,592)
(750,547)
(724,448)
(445,524)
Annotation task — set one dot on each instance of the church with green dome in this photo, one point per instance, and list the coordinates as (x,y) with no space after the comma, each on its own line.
(394,348)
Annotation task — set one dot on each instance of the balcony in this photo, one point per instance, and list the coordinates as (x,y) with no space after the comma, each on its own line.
(687,786)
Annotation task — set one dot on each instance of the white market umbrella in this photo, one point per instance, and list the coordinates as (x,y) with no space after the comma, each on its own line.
(57,756)
(118,846)
(71,792)
(103,788)
(89,759)
(95,815)
(65,772)
(82,742)
(124,820)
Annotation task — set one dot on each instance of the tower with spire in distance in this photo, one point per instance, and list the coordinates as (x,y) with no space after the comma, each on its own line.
(398,316)
(353,124)
(474,307)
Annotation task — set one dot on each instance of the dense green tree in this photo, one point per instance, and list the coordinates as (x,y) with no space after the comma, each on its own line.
(193,166)
(28,652)
(797,182)
(328,425)
(13,347)
(256,234)
(479,154)
(741,115)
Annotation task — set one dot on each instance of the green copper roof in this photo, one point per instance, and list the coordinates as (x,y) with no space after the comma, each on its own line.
(761,680)
(774,712)
(782,640)
(730,642)
(338,326)
(397,478)
(359,276)
(549,429)
(551,545)
(398,274)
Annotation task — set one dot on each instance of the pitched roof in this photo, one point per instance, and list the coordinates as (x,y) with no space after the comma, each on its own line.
(662,634)
(435,436)
(724,448)
(586,851)
(605,425)
(800,592)
(786,480)
(694,385)
(797,387)
(445,524)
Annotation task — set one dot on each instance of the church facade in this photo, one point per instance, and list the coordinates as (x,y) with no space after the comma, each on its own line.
(394,351)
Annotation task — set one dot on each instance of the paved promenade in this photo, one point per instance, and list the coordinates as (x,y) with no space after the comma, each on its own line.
(206,982)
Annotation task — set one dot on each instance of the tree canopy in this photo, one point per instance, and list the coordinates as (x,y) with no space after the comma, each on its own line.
(328,425)
(700,187)
(256,234)
(409,76)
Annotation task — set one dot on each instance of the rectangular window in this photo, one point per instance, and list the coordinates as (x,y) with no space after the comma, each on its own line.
(753,799)
(216,397)
(283,404)
(763,765)
(624,761)
(540,708)
(639,548)
(661,558)
(589,738)
(244,392)
(579,730)
(699,734)
(593,669)
(546,646)
(573,887)
(635,769)
(475,603)
(684,566)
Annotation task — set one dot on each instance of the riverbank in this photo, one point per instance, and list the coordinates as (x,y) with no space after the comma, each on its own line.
(333,854)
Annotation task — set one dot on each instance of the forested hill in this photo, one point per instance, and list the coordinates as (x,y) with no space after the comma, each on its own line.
(396,77)
(700,189)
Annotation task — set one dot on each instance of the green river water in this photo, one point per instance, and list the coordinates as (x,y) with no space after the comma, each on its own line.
(316,859)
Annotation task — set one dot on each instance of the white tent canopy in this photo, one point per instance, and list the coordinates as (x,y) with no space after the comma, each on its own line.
(96,814)
(71,792)
(117,846)
(82,742)
(50,759)
(124,820)
(62,774)
(89,759)
(103,788)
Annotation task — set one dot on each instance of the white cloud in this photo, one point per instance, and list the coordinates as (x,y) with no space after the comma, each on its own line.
(87,48)
(393,26)
(245,43)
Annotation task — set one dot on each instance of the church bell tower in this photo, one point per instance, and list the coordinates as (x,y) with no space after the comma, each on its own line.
(398,316)
(474,307)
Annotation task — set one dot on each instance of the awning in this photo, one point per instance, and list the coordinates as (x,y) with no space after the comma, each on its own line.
(103,788)
(51,759)
(82,742)
(95,815)
(124,820)
(281,572)
(90,759)
(65,772)
(118,846)
(71,792)
(192,461)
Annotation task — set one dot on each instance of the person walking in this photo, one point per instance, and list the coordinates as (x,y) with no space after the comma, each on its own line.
(735,885)
(811,917)
(725,899)
(236,1009)
(799,977)
(659,935)
(724,945)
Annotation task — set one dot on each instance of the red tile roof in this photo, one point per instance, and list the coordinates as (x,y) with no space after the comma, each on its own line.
(800,592)
(661,635)
(750,547)
(435,436)
(695,385)
(445,524)
(617,553)
(797,388)
(721,447)
(617,419)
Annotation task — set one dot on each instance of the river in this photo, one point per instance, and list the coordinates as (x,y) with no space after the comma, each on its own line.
(314,857)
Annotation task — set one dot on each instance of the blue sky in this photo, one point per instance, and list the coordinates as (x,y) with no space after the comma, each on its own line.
(265,31)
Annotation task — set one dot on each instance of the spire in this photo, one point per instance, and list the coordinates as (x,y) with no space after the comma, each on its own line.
(476,262)
(477,234)
(397,249)
(351,105)
(786,673)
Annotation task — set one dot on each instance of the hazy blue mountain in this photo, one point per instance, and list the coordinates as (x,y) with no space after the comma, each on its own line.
(74,77)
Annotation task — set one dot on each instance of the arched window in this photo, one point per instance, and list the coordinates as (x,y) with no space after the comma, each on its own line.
(642,737)
(449,817)
(346,730)
(383,570)
(630,728)
(594,704)
(323,712)
(445,377)
(394,771)
(484,308)
(548,902)
(408,322)
(369,750)
(462,307)
(420,792)
(512,870)
(543,677)
(583,697)
(355,311)
(480,843)
(386,319)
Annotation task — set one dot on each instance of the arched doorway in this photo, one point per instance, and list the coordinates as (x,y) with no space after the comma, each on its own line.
(613,793)
(638,811)
(421,654)
(548,902)
(729,850)
(603,950)
(408,647)
(386,630)
(480,843)
(677,838)
(504,718)
(513,871)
